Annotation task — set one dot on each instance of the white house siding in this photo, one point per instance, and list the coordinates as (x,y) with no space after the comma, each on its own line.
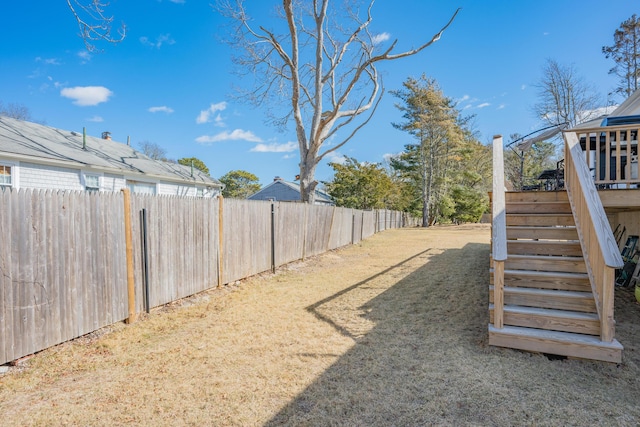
(112,182)
(39,176)
(172,189)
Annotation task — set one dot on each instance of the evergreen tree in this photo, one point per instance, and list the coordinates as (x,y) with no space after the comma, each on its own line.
(195,162)
(239,184)
(432,119)
(361,186)
(625,52)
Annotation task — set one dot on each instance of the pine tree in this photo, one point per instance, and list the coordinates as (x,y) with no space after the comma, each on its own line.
(625,52)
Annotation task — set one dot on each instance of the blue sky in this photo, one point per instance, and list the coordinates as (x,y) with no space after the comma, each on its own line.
(171,83)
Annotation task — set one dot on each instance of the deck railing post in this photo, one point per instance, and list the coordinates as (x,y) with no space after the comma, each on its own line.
(498,232)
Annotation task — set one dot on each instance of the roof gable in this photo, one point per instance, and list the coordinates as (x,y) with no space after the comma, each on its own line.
(281,190)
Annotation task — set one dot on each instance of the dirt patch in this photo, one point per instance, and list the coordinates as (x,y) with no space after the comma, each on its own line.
(392,331)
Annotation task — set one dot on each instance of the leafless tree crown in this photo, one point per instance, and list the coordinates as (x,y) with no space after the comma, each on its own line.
(322,63)
(93,23)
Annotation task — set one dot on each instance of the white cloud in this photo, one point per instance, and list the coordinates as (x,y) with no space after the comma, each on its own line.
(274,147)
(162,109)
(464,98)
(501,106)
(335,157)
(483,105)
(96,119)
(177,1)
(523,87)
(205,115)
(85,56)
(87,95)
(388,156)
(236,135)
(48,61)
(379,38)
(160,40)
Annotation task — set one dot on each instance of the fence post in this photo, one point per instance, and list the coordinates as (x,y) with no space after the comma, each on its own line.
(131,290)
(273,237)
(220,237)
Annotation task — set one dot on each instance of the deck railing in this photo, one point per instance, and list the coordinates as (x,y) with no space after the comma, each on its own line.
(598,244)
(612,155)
(498,233)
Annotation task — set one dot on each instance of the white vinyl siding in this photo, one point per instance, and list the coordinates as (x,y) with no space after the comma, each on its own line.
(44,176)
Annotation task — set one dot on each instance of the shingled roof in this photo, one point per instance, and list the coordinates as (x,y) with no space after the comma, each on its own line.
(26,141)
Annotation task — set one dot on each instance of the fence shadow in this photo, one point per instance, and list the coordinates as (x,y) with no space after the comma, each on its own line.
(411,342)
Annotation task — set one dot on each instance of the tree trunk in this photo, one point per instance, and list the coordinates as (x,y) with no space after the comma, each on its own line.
(307,182)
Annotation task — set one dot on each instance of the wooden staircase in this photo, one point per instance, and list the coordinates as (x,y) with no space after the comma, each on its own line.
(548,303)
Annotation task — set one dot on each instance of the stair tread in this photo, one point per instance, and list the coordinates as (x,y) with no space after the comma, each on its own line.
(546,242)
(563,337)
(550,292)
(550,274)
(536,227)
(539,214)
(545,257)
(548,312)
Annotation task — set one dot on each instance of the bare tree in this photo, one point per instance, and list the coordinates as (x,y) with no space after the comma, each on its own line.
(625,52)
(153,150)
(93,23)
(323,64)
(564,96)
(15,111)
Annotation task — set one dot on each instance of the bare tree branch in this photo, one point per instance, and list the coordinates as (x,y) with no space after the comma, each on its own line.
(94,24)
(324,69)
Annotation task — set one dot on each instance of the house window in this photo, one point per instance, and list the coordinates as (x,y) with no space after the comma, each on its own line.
(5,176)
(199,192)
(92,182)
(138,187)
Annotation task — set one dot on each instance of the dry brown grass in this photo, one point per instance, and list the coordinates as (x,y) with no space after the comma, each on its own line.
(388,332)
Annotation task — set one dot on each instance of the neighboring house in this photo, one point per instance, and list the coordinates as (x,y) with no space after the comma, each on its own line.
(37,156)
(284,191)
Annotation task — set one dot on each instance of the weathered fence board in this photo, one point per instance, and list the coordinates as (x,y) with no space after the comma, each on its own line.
(57,281)
(318,229)
(182,237)
(247,238)
(63,255)
(290,224)
(368,224)
(341,228)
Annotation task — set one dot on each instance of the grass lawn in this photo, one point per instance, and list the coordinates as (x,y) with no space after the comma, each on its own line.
(392,331)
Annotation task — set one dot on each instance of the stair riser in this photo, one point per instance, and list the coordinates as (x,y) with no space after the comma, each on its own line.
(532,197)
(559,233)
(543,345)
(540,220)
(587,327)
(585,305)
(536,247)
(538,207)
(555,265)
(563,284)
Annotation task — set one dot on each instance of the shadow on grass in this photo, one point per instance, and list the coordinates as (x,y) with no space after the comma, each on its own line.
(409,343)
(420,357)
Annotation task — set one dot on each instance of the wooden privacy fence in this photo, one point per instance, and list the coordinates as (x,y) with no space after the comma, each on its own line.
(63,255)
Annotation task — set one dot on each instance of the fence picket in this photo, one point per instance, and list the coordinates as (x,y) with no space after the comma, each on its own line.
(63,255)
